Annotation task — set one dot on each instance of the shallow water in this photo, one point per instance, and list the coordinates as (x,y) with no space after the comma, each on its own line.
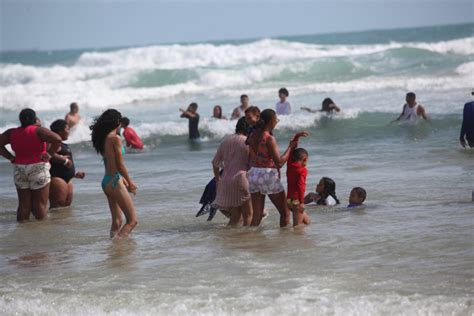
(409,251)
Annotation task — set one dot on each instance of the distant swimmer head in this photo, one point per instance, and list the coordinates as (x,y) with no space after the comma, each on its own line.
(28,117)
(242,127)
(61,128)
(193,107)
(244,100)
(102,126)
(283,93)
(74,108)
(410,98)
(252,115)
(300,155)
(217,112)
(326,105)
(124,122)
(357,196)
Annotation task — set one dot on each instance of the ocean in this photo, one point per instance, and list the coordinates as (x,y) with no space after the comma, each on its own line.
(410,251)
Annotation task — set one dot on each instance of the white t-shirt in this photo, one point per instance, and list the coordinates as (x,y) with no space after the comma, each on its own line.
(283,108)
(330,201)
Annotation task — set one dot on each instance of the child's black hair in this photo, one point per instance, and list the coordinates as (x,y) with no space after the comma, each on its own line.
(360,192)
(284,91)
(299,154)
(124,121)
(329,190)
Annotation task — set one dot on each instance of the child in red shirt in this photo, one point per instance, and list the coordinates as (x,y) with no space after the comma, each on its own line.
(296,173)
(131,137)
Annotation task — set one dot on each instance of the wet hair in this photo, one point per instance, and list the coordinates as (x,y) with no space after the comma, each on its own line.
(329,190)
(242,127)
(411,95)
(220,111)
(58,126)
(284,91)
(326,103)
(73,105)
(193,105)
(253,109)
(243,96)
(124,121)
(360,192)
(102,126)
(299,154)
(27,117)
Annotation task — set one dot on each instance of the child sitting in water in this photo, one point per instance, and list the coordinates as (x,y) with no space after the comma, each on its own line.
(325,193)
(296,173)
(357,197)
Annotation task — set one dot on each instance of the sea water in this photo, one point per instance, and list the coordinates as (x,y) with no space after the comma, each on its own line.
(409,251)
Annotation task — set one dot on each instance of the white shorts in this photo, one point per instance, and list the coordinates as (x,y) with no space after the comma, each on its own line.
(264,181)
(33,176)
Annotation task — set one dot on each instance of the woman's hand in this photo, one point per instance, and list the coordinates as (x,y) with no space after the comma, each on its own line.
(132,188)
(300,134)
(45,157)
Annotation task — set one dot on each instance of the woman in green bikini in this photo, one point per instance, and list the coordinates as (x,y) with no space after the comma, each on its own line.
(116,181)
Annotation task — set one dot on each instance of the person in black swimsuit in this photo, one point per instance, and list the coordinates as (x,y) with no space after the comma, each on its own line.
(62,169)
(193,117)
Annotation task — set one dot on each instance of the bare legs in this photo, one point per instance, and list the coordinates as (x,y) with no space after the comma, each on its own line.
(32,201)
(278,199)
(120,201)
(242,213)
(61,193)
(299,215)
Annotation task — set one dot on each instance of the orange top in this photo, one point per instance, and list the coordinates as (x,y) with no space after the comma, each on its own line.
(262,158)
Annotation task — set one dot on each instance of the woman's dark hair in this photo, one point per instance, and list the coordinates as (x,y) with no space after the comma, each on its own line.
(58,126)
(27,117)
(102,126)
(329,190)
(220,111)
(242,127)
(326,103)
(266,117)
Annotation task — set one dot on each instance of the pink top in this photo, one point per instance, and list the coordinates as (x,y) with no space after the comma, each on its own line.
(262,158)
(28,147)
(233,155)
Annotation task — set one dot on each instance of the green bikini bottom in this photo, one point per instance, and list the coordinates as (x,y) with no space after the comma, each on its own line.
(115,178)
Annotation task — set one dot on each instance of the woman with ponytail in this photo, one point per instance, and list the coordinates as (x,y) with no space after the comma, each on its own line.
(264,173)
(325,194)
(116,180)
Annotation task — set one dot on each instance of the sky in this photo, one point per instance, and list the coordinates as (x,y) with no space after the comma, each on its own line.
(68,24)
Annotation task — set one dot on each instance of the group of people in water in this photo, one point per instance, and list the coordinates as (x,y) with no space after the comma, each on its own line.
(247,165)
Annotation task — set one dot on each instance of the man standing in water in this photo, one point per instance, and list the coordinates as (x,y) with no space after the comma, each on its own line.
(467,127)
(240,110)
(411,110)
(73,117)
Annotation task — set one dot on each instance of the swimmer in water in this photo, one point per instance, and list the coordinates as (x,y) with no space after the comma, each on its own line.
(357,197)
(73,117)
(411,110)
(193,117)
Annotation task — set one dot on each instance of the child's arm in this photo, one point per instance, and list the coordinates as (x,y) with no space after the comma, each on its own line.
(307,109)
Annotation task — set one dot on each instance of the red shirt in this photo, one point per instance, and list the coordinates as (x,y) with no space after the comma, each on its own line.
(28,147)
(132,139)
(296,176)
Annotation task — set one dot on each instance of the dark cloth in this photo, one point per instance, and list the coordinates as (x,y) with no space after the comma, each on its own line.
(467,128)
(59,170)
(193,127)
(206,200)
